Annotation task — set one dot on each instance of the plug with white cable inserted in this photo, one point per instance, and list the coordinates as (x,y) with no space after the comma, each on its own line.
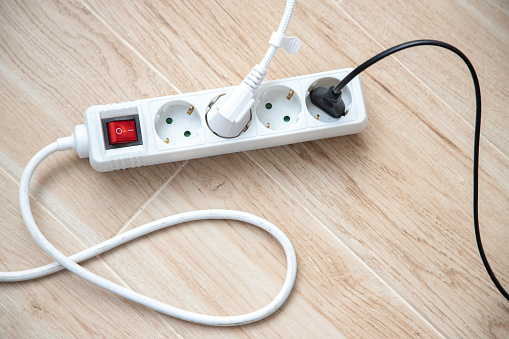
(231,113)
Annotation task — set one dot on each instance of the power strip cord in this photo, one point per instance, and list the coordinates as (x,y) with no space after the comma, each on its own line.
(70,263)
(329,100)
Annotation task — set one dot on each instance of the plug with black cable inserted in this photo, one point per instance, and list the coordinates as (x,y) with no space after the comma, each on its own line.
(328,101)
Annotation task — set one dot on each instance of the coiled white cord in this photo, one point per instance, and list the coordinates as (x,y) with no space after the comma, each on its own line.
(70,263)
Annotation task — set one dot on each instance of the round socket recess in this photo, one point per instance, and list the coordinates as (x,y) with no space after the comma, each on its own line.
(278,108)
(178,123)
(317,113)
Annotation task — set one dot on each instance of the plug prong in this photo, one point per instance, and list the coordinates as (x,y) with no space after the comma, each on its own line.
(290,95)
(190,110)
(317,116)
(167,140)
(267,125)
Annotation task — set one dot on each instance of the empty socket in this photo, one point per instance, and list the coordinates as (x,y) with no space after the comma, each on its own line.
(178,123)
(278,108)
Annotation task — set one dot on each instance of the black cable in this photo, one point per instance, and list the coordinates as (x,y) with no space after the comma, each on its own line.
(477,133)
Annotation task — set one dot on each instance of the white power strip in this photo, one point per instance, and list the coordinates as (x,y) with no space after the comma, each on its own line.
(173,128)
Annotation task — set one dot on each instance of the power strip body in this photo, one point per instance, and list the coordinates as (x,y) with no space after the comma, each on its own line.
(174,128)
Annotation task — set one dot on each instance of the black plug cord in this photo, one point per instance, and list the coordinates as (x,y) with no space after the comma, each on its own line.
(323,102)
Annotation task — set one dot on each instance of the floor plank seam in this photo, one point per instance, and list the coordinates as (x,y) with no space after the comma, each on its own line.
(347,247)
(483,137)
(20,85)
(45,209)
(151,198)
(473,11)
(128,45)
(10,176)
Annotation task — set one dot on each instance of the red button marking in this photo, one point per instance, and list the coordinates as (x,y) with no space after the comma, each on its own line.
(121,132)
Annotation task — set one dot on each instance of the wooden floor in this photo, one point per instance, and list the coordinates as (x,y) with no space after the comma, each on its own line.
(380,221)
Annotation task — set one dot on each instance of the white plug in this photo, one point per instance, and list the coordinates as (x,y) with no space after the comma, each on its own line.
(229,116)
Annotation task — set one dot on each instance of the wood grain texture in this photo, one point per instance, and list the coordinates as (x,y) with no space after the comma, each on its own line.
(381,221)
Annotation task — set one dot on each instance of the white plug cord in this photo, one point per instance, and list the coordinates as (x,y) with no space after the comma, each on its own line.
(70,263)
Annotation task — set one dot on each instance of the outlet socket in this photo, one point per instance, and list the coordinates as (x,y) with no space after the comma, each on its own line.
(178,123)
(278,108)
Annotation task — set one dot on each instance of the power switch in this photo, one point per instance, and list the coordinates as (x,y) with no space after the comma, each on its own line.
(121,132)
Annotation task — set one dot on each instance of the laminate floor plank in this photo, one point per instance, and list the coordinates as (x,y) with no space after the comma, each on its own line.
(399,195)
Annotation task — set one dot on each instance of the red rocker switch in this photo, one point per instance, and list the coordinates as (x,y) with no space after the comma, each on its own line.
(121,132)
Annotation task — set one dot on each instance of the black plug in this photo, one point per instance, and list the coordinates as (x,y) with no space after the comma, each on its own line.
(328,101)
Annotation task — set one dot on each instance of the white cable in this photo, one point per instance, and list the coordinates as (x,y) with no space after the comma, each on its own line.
(70,263)
(283,26)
